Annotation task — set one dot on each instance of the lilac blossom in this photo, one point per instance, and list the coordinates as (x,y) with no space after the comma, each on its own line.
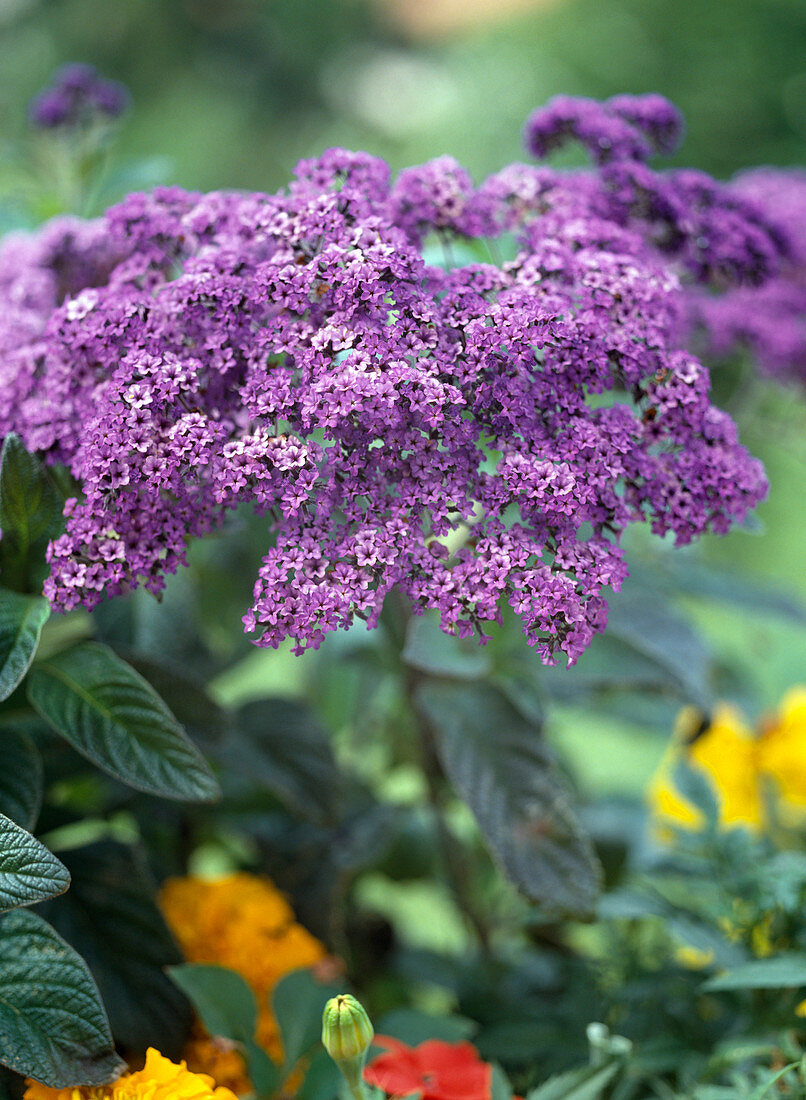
(471,433)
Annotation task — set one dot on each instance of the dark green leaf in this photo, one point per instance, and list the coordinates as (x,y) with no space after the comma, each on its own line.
(20,777)
(298,1002)
(21,622)
(52,1024)
(781,972)
(498,763)
(30,514)
(187,699)
(227,1007)
(323,1079)
(650,627)
(29,872)
(110,917)
(281,746)
(111,715)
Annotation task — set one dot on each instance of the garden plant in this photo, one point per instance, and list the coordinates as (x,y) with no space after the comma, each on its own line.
(414,435)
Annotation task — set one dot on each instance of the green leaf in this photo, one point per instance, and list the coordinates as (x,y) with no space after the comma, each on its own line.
(20,777)
(30,515)
(497,761)
(432,650)
(413,1027)
(52,1024)
(766,1084)
(222,999)
(781,972)
(111,918)
(649,626)
(279,745)
(227,1007)
(298,1002)
(187,699)
(111,715)
(21,622)
(585,1083)
(323,1079)
(29,872)
(500,1087)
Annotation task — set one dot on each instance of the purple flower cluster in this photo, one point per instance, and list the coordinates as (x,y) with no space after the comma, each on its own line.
(471,433)
(77,97)
(768,320)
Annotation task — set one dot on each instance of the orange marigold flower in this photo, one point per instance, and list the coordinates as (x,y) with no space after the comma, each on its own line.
(244,923)
(159,1079)
(218,1057)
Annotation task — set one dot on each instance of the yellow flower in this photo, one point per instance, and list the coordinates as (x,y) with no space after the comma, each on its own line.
(693,958)
(728,754)
(782,749)
(244,923)
(159,1079)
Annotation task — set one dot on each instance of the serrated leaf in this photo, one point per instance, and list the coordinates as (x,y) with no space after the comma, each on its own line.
(111,918)
(781,972)
(498,763)
(280,745)
(111,715)
(298,1002)
(20,777)
(227,1007)
(585,1083)
(29,872)
(30,514)
(52,1024)
(21,622)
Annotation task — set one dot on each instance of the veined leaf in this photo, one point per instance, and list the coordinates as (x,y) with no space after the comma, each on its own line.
(29,872)
(52,1024)
(110,916)
(20,777)
(111,715)
(21,622)
(498,762)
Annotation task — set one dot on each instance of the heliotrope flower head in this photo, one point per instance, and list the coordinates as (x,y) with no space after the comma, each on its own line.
(471,433)
(78,96)
(768,320)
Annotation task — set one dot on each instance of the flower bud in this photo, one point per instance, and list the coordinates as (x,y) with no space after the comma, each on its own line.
(346,1036)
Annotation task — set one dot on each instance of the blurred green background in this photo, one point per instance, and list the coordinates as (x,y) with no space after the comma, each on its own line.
(231,93)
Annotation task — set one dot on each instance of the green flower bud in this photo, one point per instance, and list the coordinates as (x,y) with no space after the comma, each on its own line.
(346,1036)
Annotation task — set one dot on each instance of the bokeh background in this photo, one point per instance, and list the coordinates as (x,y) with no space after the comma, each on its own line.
(231,93)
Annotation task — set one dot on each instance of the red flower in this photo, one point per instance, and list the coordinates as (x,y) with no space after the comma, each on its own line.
(431,1071)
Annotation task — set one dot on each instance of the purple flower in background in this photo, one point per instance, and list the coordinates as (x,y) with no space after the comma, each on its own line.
(768,320)
(472,433)
(78,96)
